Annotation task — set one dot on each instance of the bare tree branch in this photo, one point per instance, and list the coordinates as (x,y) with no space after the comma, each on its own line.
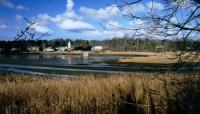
(28,32)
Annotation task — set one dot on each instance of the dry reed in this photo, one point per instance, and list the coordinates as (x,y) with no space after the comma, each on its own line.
(117,93)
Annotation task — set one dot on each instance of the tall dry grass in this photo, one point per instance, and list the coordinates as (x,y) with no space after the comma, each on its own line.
(142,93)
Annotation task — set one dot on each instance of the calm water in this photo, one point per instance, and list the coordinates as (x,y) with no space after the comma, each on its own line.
(46,64)
(55,60)
(54,64)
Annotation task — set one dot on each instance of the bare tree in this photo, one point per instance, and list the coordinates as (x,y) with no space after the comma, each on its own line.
(28,32)
(180,20)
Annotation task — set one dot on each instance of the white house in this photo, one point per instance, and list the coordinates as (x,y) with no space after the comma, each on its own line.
(68,47)
(14,49)
(49,49)
(62,48)
(34,48)
(97,48)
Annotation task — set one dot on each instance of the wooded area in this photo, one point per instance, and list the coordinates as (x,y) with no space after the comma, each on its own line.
(120,44)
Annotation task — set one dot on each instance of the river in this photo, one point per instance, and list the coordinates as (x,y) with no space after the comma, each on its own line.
(59,65)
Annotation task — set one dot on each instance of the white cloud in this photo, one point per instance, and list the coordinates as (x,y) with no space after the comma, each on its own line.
(136,22)
(183,3)
(103,14)
(113,29)
(108,16)
(70,5)
(110,21)
(68,20)
(9,4)
(141,8)
(66,15)
(72,25)
(6,3)
(19,21)
(112,12)
(155,5)
(41,29)
(113,25)
(43,19)
(21,7)
(139,28)
(69,13)
(18,17)
(174,20)
(104,34)
(2,26)
(135,8)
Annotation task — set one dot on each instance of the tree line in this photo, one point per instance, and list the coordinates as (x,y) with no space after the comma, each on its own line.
(117,44)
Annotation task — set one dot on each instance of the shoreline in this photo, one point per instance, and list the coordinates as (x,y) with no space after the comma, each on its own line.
(82,69)
(93,53)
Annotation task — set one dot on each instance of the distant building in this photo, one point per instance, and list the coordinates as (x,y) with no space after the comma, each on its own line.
(160,47)
(106,50)
(49,49)
(69,46)
(34,48)
(96,48)
(14,49)
(62,48)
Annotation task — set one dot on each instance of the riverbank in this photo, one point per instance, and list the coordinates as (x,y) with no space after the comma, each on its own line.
(119,58)
(143,93)
(156,59)
(94,53)
(126,56)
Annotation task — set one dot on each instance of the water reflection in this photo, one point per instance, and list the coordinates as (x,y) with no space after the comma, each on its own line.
(34,56)
(54,60)
(69,60)
(62,57)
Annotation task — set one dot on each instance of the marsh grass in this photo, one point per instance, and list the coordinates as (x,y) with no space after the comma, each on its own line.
(142,93)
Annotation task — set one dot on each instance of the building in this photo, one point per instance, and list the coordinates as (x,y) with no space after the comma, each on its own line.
(14,49)
(69,46)
(97,48)
(34,48)
(49,49)
(62,48)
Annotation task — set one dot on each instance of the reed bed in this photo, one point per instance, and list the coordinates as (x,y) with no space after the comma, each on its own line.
(135,93)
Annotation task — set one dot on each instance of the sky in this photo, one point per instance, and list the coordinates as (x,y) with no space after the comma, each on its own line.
(75,19)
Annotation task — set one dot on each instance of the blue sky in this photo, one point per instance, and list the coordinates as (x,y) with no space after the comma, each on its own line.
(69,18)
